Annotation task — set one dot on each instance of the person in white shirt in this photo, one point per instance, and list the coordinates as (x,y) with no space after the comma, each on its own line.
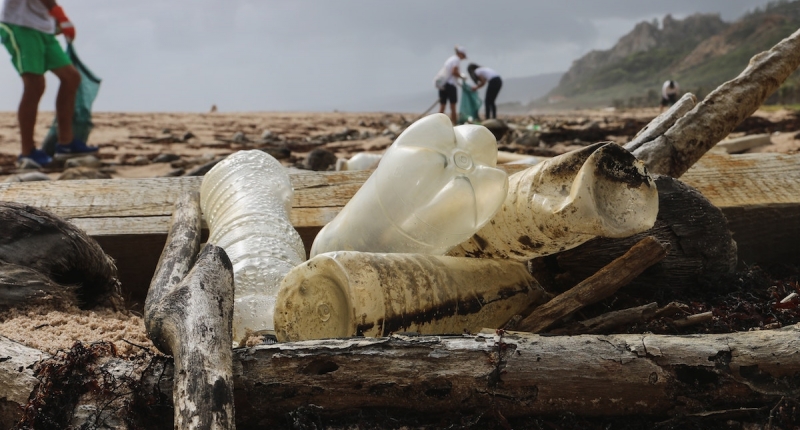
(669,93)
(27,29)
(447,80)
(486,76)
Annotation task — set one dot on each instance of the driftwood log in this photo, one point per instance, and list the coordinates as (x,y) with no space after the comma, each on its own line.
(599,286)
(42,254)
(677,149)
(663,122)
(513,374)
(188,314)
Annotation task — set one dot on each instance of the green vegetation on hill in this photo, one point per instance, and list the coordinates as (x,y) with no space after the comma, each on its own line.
(635,80)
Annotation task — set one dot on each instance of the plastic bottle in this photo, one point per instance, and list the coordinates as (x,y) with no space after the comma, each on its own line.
(435,186)
(246,200)
(360,161)
(343,294)
(560,203)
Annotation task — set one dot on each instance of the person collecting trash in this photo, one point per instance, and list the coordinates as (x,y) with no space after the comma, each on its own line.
(28,29)
(446,82)
(486,76)
(669,94)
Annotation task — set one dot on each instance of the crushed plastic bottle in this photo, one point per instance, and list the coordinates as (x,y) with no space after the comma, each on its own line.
(360,161)
(560,203)
(435,186)
(246,200)
(344,294)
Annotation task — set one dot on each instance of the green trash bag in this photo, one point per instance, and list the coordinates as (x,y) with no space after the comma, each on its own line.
(470,104)
(82,119)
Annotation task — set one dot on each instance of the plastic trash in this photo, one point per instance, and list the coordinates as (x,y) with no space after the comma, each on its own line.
(246,200)
(560,203)
(435,186)
(82,118)
(344,294)
(470,105)
(360,161)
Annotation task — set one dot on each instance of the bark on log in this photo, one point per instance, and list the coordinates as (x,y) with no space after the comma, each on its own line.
(701,248)
(723,109)
(514,374)
(17,379)
(599,286)
(50,248)
(190,318)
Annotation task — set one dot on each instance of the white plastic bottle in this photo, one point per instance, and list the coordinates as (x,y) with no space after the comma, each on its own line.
(343,294)
(435,186)
(360,161)
(560,203)
(246,200)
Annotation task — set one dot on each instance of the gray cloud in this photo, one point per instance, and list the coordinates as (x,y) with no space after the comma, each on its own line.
(184,55)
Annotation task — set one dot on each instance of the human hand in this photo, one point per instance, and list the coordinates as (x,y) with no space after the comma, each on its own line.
(474,88)
(63,22)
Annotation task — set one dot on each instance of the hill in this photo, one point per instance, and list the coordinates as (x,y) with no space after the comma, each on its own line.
(700,52)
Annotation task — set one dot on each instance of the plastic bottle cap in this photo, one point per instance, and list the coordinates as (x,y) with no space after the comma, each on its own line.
(463,160)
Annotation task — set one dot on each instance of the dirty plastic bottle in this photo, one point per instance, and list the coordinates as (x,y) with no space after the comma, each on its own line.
(348,293)
(360,161)
(435,186)
(246,200)
(560,203)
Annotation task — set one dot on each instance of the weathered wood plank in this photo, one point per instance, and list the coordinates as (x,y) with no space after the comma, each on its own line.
(758,193)
(318,196)
(143,206)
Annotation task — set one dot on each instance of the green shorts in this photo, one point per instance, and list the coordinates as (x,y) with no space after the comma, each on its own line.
(31,50)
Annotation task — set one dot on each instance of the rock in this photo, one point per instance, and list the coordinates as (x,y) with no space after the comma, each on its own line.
(266,135)
(175,172)
(85,161)
(320,160)
(239,137)
(140,160)
(165,158)
(28,164)
(528,138)
(203,169)
(188,135)
(279,153)
(83,173)
(28,177)
(166,131)
(497,127)
(394,128)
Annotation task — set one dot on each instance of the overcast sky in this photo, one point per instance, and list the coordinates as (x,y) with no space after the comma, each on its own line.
(290,55)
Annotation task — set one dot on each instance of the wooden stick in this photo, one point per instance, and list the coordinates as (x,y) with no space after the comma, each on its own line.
(694,320)
(179,253)
(190,318)
(660,124)
(609,320)
(597,287)
(695,133)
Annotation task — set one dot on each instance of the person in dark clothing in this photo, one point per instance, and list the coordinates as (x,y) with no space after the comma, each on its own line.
(486,76)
